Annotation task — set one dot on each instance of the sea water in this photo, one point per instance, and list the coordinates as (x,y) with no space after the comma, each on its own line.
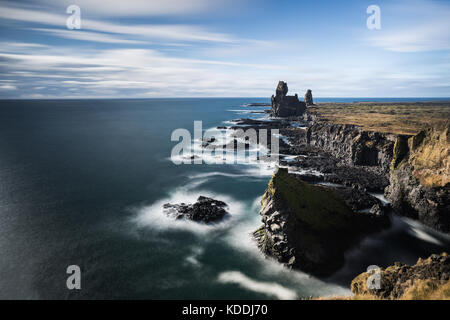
(82,182)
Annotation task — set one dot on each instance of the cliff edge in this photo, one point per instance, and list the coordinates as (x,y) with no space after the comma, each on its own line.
(419,180)
(309,227)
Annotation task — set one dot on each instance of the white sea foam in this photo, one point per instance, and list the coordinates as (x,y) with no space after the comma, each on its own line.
(272,289)
(284,138)
(424,233)
(246,111)
(153,216)
(192,258)
(380,197)
(304,171)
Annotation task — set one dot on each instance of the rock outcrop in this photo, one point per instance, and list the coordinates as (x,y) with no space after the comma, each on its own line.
(309,98)
(205,210)
(427,279)
(352,145)
(417,167)
(309,227)
(420,177)
(284,105)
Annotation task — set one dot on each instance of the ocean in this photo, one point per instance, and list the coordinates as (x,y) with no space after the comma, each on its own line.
(82,183)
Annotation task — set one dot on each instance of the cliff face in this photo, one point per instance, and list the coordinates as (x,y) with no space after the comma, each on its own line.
(420,177)
(427,279)
(309,227)
(284,105)
(418,167)
(352,145)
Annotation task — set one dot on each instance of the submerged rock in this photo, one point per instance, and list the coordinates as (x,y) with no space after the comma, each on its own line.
(284,105)
(205,210)
(427,279)
(309,227)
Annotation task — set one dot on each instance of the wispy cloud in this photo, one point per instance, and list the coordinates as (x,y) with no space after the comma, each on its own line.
(143,7)
(175,48)
(7,87)
(166,32)
(138,72)
(418,26)
(87,36)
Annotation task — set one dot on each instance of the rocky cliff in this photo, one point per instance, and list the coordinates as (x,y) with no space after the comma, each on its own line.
(352,145)
(309,227)
(284,105)
(418,167)
(427,279)
(420,177)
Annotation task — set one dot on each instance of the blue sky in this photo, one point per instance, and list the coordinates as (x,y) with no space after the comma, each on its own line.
(223,48)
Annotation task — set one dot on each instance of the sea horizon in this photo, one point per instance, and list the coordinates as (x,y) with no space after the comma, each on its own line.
(316,99)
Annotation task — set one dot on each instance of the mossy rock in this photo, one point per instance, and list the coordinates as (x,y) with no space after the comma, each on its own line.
(318,207)
(400,151)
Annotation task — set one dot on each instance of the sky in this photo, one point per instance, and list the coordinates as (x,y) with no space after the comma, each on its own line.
(223,48)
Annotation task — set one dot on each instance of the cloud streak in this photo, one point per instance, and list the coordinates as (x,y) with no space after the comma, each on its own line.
(423,26)
(166,32)
(136,8)
(184,54)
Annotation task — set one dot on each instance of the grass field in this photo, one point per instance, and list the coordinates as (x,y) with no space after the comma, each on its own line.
(398,118)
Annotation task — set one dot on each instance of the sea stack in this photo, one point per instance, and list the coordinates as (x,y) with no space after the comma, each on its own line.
(309,98)
(284,105)
(310,227)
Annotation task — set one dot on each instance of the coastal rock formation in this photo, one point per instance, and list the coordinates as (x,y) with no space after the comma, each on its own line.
(284,105)
(420,177)
(205,210)
(309,227)
(427,279)
(417,167)
(352,145)
(309,98)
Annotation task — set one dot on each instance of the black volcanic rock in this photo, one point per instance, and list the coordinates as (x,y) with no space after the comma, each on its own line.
(310,227)
(309,98)
(284,105)
(205,210)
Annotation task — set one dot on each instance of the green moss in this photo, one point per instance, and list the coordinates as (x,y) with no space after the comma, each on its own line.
(400,151)
(319,207)
(269,193)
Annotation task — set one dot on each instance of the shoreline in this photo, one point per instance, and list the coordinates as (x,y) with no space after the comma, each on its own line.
(364,161)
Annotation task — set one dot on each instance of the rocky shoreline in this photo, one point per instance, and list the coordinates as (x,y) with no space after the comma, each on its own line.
(335,185)
(308,226)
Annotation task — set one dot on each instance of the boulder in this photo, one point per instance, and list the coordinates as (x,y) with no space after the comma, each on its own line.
(205,210)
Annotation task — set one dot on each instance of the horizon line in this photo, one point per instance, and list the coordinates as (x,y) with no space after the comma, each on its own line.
(211,97)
